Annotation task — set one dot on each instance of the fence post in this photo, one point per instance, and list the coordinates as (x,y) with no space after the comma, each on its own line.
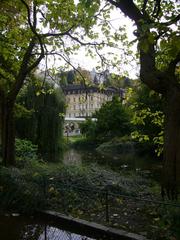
(107,205)
(45,232)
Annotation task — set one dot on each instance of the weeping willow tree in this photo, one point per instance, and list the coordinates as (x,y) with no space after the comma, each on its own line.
(40,120)
(50,125)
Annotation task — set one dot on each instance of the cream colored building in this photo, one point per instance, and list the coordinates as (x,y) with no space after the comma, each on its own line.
(83,101)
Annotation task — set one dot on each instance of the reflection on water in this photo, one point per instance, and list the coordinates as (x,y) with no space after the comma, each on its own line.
(52,233)
(20,228)
(129,161)
(72,157)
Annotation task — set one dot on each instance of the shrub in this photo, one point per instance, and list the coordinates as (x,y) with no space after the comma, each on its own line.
(25,149)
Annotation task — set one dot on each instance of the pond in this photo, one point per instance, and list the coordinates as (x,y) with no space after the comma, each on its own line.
(126,161)
(22,228)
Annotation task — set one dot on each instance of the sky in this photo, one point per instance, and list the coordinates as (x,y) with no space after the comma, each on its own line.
(129,69)
(132,68)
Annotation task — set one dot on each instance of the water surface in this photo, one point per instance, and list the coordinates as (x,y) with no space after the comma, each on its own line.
(126,161)
(22,228)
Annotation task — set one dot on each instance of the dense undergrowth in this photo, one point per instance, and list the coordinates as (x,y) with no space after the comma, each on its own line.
(82,191)
(24,188)
(91,192)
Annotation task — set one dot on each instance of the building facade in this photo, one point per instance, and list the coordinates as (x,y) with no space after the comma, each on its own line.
(83,101)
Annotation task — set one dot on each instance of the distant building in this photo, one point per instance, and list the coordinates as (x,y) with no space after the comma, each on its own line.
(83,101)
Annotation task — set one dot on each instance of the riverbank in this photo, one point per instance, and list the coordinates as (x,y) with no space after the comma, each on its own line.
(117,155)
(117,146)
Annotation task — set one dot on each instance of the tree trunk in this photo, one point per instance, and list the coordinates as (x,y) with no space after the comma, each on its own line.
(1,120)
(8,132)
(171,171)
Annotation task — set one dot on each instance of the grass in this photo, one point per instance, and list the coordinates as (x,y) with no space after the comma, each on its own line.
(73,139)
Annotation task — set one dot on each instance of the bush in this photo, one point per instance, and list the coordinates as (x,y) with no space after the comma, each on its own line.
(25,149)
(113,120)
(20,193)
(88,128)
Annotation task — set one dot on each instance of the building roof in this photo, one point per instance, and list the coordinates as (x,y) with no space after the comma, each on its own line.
(78,87)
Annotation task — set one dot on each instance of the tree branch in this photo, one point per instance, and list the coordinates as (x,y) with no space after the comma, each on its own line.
(25,68)
(33,26)
(22,72)
(100,11)
(149,74)
(157,8)
(34,14)
(172,21)
(44,35)
(69,62)
(84,43)
(102,58)
(172,65)
(144,6)
(129,9)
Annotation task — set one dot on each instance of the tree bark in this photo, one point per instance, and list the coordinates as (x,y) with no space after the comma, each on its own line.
(1,114)
(171,169)
(164,82)
(7,132)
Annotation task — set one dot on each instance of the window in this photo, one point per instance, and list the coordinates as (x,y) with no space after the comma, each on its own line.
(74,107)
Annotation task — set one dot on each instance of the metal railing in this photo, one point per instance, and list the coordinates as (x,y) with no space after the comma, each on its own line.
(103,205)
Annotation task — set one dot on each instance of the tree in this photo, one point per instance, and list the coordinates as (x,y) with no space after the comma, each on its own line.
(147,116)
(41,119)
(159,53)
(70,77)
(24,42)
(88,128)
(83,77)
(113,120)
(117,81)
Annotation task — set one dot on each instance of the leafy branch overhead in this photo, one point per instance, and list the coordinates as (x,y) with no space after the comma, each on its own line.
(29,31)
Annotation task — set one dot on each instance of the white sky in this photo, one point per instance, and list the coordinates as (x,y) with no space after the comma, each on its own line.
(117,20)
(130,69)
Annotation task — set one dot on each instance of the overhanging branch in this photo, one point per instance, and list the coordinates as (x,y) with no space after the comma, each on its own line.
(172,21)
(85,43)
(129,9)
(33,26)
(49,34)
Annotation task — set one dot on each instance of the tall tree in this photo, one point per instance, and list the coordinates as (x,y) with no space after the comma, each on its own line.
(29,31)
(40,119)
(159,53)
